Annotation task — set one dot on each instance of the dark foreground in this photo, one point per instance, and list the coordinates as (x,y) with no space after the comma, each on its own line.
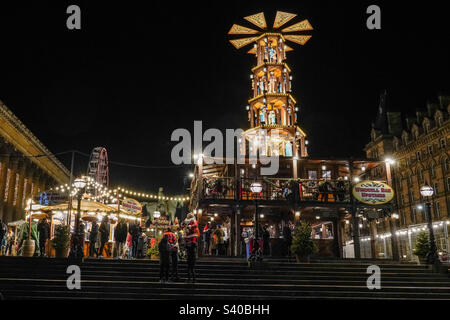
(41,278)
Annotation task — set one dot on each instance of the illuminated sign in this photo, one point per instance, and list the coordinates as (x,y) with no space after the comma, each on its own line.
(132,205)
(373,192)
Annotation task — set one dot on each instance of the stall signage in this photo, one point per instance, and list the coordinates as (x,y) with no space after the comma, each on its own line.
(161,221)
(47,198)
(373,192)
(132,205)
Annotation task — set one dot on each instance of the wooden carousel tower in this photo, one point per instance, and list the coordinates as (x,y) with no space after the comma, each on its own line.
(272,110)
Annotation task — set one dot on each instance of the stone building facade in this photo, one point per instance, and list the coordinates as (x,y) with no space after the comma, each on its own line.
(420,147)
(26,166)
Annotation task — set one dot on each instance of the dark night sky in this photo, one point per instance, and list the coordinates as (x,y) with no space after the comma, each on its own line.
(133,74)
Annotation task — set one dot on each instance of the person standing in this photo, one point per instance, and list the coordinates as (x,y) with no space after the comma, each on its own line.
(225,240)
(120,236)
(287,235)
(3,232)
(104,235)
(140,246)
(44,234)
(266,241)
(219,239)
(191,236)
(206,238)
(9,242)
(130,245)
(93,238)
(164,260)
(135,234)
(173,253)
(244,241)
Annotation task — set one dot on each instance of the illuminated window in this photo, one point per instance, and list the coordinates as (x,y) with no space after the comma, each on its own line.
(411,197)
(435,186)
(312,174)
(421,174)
(432,170)
(413,215)
(326,174)
(437,210)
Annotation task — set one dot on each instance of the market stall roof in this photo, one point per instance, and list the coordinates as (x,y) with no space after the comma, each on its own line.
(124,211)
(86,205)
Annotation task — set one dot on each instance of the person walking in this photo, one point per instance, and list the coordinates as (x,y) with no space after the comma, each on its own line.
(104,235)
(191,235)
(173,253)
(93,238)
(164,259)
(120,236)
(44,234)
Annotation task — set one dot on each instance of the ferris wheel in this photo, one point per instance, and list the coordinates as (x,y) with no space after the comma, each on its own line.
(98,168)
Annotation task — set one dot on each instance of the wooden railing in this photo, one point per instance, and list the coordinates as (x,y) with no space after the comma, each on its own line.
(299,190)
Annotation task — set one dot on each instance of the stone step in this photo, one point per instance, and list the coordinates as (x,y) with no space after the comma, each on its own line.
(210,284)
(198,293)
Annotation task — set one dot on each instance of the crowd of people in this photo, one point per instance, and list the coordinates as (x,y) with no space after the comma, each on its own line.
(215,240)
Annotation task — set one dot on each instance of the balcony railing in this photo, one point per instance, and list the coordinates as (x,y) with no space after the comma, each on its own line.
(300,190)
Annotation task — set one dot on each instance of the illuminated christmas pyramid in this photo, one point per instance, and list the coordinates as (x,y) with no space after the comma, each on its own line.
(272,106)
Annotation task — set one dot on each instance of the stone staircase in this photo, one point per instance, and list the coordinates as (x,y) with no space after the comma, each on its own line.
(42,278)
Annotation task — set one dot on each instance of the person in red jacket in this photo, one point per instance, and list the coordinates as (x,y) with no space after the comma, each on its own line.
(173,252)
(191,234)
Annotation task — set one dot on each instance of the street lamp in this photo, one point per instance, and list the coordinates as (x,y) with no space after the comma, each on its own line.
(256,187)
(76,250)
(432,258)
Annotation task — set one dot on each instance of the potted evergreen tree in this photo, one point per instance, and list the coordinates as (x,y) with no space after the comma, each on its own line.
(422,247)
(61,241)
(303,245)
(153,251)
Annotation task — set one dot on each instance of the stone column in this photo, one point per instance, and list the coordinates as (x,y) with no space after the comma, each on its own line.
(13,165)
(373,238)
(29,176)
(3,171)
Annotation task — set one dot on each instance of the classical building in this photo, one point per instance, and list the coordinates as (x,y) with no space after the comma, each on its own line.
(26,166)
(420,148)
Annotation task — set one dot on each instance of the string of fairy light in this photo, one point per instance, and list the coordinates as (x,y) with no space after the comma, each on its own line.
(98,192)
